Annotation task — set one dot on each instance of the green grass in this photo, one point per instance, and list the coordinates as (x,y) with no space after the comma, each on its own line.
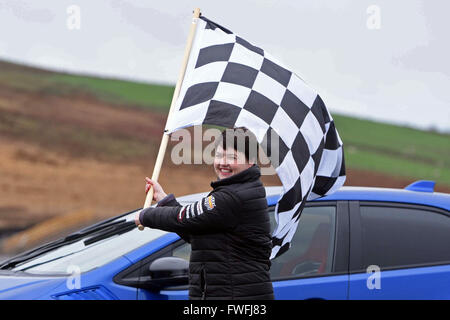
(123,92)
(119,91)
(395,166)
(395,150)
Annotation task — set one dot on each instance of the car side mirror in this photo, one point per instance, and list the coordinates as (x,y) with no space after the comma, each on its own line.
(168,271)
(161,273)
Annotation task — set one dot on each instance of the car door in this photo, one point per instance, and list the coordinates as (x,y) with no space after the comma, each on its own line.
(316,266)
(399,251)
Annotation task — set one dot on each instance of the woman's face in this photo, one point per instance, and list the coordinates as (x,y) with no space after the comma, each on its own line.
(229,162)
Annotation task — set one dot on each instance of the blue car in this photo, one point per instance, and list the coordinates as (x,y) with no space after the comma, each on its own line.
(359,243)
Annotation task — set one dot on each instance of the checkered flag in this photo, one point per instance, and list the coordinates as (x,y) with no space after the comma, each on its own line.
(232,83)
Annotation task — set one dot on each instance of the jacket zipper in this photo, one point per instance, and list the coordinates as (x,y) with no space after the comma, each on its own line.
(203,283)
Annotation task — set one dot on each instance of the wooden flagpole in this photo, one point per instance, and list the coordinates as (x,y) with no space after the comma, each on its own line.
(165,137)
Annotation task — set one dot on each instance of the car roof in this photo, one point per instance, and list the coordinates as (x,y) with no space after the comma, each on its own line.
(435,199)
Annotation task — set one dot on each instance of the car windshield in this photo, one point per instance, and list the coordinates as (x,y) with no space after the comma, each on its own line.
(85,254)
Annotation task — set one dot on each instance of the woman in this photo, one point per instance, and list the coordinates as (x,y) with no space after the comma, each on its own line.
(229,230)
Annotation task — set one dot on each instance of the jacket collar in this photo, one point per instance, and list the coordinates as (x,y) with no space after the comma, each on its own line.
(249,174)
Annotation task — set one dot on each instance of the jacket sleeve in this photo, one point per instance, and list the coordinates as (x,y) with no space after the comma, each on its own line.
(214,213)
(168,201)
(171,201)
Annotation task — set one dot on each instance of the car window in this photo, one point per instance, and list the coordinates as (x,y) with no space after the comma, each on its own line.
(183,251)
(396,237)
(312,246)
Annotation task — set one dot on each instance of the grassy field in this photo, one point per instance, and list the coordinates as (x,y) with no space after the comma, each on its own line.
(153,96)
(119,91)
(396,150)
(384,148)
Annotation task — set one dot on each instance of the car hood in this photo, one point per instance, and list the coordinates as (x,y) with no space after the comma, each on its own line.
(23,286)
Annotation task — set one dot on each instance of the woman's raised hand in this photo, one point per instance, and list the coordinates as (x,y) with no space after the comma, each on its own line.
(158,192)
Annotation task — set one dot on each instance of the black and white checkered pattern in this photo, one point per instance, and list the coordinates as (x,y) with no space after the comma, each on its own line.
(231,83)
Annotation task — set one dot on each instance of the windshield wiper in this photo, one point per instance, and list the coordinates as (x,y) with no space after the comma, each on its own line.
(93,229)
(104,230)
(110,231)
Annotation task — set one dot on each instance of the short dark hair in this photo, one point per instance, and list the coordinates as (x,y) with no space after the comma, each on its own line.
(242,140)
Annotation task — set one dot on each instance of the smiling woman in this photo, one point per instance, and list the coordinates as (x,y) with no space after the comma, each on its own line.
(236,150)
(228,230)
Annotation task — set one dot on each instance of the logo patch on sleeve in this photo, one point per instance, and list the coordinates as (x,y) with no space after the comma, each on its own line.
(209,202)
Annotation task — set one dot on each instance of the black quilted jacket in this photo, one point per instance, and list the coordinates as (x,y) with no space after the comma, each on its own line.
(229,231)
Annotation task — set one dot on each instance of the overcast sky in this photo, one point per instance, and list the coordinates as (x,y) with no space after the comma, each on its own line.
(385,60)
